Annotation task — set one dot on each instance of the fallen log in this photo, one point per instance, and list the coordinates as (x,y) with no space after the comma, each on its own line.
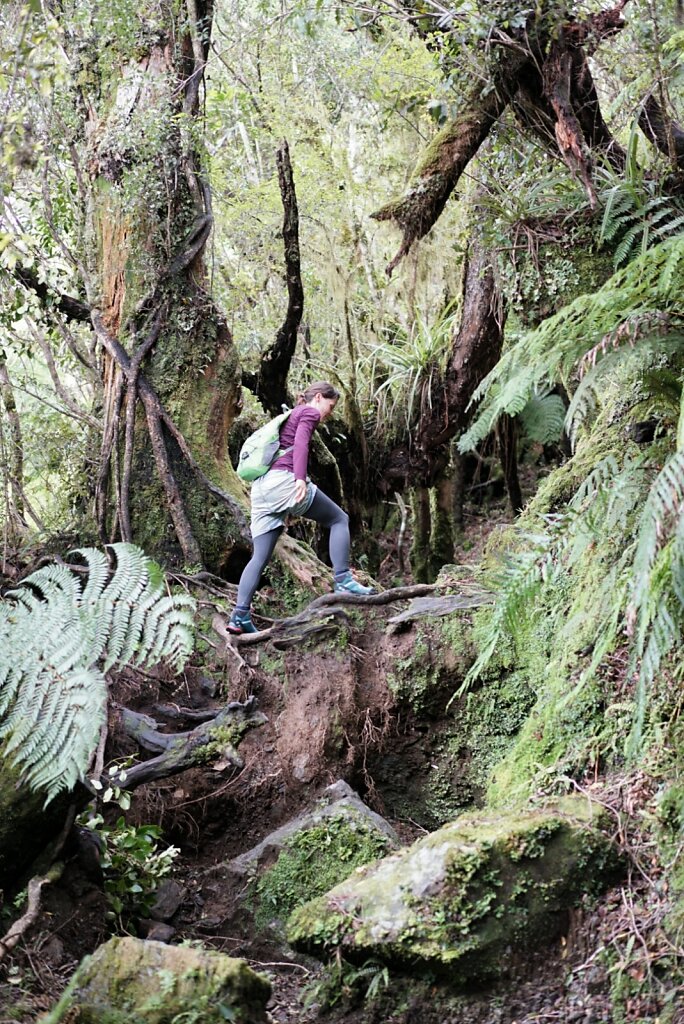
(176,752)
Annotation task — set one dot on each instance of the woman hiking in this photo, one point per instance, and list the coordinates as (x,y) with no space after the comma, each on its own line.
(285,490)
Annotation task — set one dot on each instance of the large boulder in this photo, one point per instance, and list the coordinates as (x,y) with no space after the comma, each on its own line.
(300,860)
(129,981)
(462,897)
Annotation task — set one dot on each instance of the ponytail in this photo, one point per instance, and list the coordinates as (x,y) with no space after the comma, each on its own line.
(319,387)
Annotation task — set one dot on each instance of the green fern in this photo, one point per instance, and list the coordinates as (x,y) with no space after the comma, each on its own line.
(406,369)
(644,292)
(543,418)
(645,369)
(58,638)
(516,585)
(604,505)
(655,616)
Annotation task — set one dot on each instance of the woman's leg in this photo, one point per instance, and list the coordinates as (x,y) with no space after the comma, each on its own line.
(251,574)
(324,511)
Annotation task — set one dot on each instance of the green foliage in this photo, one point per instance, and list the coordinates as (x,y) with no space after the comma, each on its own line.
(636,214)
(655,616)
(58,638)
(543,418)
(646,293)
(407,369)
(345,983)
(133,865)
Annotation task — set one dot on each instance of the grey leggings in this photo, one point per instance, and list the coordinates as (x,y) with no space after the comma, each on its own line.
(323,511)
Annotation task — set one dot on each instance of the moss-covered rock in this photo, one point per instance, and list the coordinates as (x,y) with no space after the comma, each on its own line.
(311,854)
(460,898)
(128,981)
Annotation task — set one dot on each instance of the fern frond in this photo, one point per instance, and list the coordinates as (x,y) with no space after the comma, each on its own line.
(659,520)
(651,284)
(53,633)
(543,418)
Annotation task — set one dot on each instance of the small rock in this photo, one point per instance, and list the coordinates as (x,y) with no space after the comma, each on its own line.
(120,981)
(155,931)
(170,895)
(208,686)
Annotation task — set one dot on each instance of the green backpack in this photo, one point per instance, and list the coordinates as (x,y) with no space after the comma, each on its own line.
(261,448)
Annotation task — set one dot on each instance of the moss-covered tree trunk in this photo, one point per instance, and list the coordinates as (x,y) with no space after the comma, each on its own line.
(172,381)
(420,544)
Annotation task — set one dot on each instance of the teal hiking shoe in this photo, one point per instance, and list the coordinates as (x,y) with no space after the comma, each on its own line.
(348,585)
(241,622)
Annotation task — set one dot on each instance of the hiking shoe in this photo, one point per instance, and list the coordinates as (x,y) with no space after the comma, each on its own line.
(348,585)
(241,622)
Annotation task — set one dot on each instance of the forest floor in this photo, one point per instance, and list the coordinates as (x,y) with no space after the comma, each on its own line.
(215,813)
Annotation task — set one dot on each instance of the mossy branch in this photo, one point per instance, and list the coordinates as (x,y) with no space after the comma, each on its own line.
(176,752)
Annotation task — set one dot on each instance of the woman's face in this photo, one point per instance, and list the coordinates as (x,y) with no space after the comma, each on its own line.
(325,406)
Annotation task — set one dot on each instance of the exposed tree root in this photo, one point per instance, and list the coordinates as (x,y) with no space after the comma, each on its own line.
(32,913)
(322,617)
(156,416)
(36,886)
(176,752)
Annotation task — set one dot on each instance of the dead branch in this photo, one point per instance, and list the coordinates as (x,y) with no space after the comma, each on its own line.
(22,925)
(176,752)
(72,308)
(436,607)
(275,362)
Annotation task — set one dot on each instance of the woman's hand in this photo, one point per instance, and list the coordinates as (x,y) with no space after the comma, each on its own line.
(299,491)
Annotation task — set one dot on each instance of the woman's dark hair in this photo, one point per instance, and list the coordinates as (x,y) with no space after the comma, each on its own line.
(319,387)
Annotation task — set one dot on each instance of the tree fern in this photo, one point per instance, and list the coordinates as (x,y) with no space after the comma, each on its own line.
(654,382)
(651,284)
(602,509)
(58,638)
(516,585)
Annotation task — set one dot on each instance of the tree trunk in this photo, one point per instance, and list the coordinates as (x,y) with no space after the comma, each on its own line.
(420,547)
(475,350)
(442,527)
(271,383)
(14,458)
(507,436)
(147,222)
(541,70)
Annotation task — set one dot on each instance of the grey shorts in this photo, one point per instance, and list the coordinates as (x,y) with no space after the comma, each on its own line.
(272,500)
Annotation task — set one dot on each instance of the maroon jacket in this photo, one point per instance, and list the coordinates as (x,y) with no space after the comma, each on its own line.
(296,435)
